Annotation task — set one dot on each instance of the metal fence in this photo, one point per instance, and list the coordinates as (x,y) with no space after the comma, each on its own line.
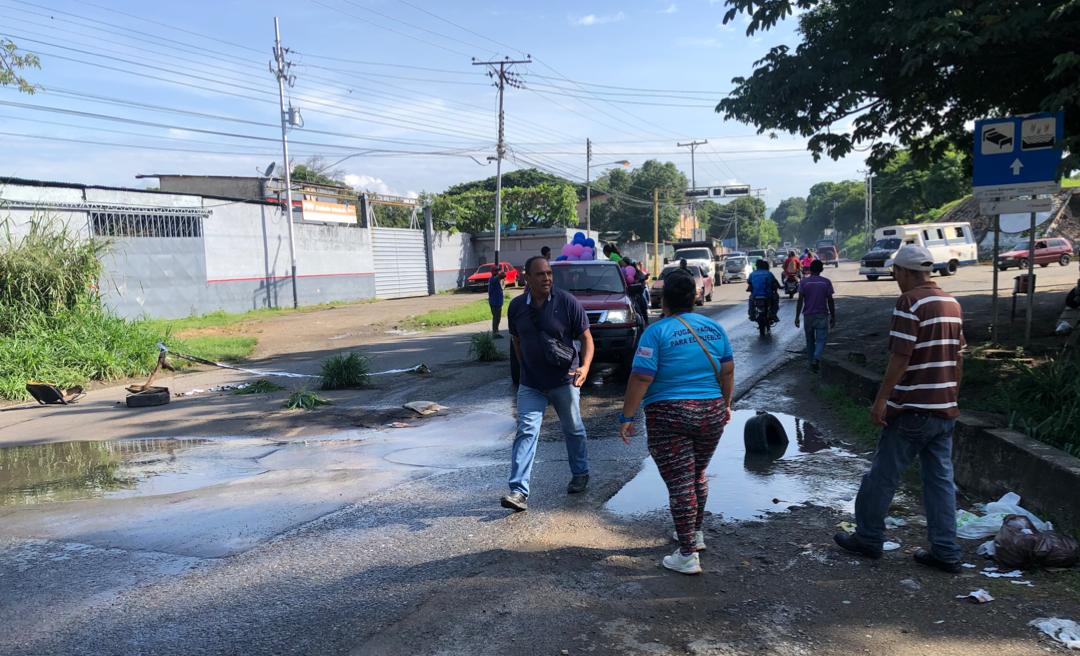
(153,223)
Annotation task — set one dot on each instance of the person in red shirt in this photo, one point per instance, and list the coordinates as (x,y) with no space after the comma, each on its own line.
(792,266)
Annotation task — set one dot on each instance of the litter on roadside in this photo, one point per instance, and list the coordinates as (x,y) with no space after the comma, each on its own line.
(967,565)
(424,408)
(1027,584)
(890,546)
(216,388)
(991,574)
(847,527)
(1020,543)
(895,522)
(46,394)
(986,549)
(973,527)
(418,369)
(398,424)
(1067,632)
(979,596)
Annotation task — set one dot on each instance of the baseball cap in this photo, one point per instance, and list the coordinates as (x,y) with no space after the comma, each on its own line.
(913,258)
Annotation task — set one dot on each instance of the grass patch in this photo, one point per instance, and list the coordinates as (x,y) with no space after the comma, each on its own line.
(261,386)
(345,371)
(855,417)
(303,399)
(482,346)
(456,316)
(218,348)
(220,318)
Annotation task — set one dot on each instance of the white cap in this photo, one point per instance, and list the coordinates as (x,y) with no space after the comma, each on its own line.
(913,258)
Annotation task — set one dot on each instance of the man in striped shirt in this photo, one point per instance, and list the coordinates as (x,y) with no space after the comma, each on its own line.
(917,407)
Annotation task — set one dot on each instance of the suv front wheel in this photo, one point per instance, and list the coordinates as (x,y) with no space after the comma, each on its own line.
(1065,259)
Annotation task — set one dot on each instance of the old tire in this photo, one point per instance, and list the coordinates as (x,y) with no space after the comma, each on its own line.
(764,434)
(152,397)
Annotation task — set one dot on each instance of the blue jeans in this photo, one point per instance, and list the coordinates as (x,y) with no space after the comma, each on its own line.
(908,435)
(531,404)
(816,328)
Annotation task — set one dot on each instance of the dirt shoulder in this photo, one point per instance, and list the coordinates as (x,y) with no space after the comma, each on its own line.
(590,582)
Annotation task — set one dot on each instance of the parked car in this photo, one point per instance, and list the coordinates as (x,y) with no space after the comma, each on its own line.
(701,277)
(601,288)
(478,282)
(737,268)
(1054,249)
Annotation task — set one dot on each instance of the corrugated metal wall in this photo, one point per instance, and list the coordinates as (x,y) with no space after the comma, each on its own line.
(400,262)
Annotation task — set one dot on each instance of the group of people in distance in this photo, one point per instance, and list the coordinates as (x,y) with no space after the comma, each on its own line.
(682,383)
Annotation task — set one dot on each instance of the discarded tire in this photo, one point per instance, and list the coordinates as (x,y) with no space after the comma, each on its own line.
(151,396)
(764,434)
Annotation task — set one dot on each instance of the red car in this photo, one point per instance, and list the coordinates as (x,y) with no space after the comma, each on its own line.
(1054,249)
(702,278)
(601,288)
(478,282)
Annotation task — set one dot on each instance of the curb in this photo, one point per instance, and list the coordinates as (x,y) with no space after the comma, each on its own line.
(988,460)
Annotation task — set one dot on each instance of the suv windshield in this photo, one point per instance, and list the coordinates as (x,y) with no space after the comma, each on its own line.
(735,264)
(597,278)
(887,244)
(760,253)
(693,254)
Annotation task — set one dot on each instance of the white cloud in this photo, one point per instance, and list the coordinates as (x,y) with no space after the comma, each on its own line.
(588,20)
(698,42)
(378,185)
(671,9)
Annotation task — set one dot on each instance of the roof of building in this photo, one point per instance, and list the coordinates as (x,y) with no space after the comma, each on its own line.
(26,182)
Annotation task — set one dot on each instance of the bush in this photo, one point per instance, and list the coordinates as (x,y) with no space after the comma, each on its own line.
(345,371)
(303,399)
(1044,402)
(482,347)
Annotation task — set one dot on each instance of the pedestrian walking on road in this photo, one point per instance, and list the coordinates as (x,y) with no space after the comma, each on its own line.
(818,309)
(546,323)
(495,299)
(545,252)
(687,401)
(917,406)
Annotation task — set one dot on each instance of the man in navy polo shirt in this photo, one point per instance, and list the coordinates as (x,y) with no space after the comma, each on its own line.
(544,313)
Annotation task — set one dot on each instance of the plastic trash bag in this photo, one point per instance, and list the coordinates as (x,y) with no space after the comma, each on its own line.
(1020,544)
(1067,632)
(973,527)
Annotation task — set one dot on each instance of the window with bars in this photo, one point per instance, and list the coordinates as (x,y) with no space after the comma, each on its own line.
(146,224)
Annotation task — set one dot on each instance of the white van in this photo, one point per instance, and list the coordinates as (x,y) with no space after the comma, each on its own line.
(951,244)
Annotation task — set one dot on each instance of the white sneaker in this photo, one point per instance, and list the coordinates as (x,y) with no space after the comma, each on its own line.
(699,539)
(683,564)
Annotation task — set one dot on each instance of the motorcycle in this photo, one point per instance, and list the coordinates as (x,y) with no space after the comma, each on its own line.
(791,285)
(761,316)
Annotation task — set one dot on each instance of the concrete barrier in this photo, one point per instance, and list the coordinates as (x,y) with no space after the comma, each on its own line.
(989,460)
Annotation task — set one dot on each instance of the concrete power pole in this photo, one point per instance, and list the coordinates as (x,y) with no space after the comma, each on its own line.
(280,68)
(503,76)
(692,145)
(588,185)
(656,231)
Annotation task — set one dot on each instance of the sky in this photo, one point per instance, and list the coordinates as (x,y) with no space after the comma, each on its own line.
(389,88)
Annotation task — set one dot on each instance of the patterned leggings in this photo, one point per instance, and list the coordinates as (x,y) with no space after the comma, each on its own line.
(682,438)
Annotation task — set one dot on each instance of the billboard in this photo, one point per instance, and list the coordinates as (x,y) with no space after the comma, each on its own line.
(317,210)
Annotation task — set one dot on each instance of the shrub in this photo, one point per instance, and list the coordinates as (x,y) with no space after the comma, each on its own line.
(303,399)
(345,371)
(482,347)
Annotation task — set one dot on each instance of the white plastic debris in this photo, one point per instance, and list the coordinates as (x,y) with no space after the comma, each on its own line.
(1063,328)
(979,596)
(1015,574)
(987,549)
(1067,632)
(967,565)
(1027,584)
(973,527)
(895,522)
(890,546)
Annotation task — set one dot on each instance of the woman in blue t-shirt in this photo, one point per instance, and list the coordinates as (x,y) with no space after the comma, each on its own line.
(684,374)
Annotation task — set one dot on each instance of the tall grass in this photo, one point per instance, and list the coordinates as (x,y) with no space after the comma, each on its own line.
(482,346)
(345,371)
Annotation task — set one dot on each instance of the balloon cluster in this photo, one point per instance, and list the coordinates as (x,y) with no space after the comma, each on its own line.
(580,248)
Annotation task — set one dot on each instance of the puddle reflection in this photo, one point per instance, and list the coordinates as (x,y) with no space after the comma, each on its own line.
(744,486)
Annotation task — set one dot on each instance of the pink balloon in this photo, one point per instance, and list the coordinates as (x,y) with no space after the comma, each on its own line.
(567,249)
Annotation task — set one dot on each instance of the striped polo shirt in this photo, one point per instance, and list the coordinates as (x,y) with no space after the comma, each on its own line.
(928,325)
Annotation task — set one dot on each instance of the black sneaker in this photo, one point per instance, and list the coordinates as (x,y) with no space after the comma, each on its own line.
(855,545)
(815,366)
(515,501)
(578,484)
(924,557)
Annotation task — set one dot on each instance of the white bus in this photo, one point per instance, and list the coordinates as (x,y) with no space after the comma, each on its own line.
(951,244)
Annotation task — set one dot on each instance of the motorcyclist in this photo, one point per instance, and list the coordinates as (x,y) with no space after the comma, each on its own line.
(807,259)
(792,266)
(763,284)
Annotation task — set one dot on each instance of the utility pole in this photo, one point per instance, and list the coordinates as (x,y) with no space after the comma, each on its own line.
(588,185)
(503,76)
(281,72)
(656,231)
(736,228)
(692,145)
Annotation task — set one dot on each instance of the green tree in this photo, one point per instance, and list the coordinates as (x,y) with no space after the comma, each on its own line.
(312,175)
(518,178)
(788,216)
(904,190)
(839,205)
(908,74)
(543,206)
(13,63)
(628,209)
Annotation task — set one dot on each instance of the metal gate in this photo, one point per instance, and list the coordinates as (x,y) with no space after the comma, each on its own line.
(400,262)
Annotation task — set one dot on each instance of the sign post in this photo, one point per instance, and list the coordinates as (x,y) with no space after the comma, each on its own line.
(1015,161)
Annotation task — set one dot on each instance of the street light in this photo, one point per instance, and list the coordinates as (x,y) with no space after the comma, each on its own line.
(588,180)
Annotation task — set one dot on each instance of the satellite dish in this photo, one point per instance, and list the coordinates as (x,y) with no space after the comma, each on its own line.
(1021,222)
(269,170)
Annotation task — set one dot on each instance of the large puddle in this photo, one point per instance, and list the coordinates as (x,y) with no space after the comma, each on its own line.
(743,486)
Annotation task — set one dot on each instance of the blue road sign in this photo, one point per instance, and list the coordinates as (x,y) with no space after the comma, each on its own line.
(1018,150)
